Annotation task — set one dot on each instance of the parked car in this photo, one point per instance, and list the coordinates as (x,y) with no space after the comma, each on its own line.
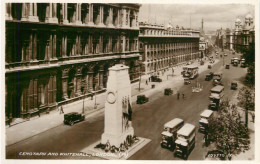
(225,54)
(186,81)
(209,66)
(233,85)
(156,79)
(243,65)
(227,66)
(73,117)
(168,91)
(141,99)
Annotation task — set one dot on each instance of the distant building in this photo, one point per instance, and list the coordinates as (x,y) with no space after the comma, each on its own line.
(238,38)
(244,34)
(163,47)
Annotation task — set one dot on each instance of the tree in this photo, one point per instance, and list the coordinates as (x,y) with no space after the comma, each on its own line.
(246,97)
(250,76)
(249,53)
(249,56)
(228,132)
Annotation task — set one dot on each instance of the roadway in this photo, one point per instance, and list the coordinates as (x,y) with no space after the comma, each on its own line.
(148,121)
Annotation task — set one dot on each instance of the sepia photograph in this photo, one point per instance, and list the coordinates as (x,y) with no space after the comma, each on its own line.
(141,80)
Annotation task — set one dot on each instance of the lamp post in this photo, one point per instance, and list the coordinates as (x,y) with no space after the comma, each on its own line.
(83,109)
(140,74)
(95,94)
(83,93)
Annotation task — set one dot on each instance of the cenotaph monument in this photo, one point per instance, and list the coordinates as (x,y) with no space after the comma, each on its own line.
(118,107)
(118,138)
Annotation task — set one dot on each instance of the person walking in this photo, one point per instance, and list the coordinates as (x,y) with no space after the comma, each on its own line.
(178,95)
(146,82)
(183,96)
(61,110)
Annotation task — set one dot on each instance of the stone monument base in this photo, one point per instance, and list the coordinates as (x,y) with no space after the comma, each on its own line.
(100,153)
(117,140)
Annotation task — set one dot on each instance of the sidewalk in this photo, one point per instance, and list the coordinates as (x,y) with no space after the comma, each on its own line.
(41,124)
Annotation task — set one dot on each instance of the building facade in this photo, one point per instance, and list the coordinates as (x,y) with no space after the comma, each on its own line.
(164,47)
(238,38)
(244,34)
(60,52)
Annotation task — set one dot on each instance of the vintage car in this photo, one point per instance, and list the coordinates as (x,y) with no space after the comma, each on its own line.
(235,63)
(187,81)
(73,117)
(168,91)
(209,76)
(233,85)
(156,79)
(243,65)
(227,66)
(141,99)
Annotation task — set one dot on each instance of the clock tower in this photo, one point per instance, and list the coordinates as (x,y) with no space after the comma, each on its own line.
(117,107)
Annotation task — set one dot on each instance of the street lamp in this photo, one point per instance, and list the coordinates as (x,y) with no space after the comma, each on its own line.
(140,74)
(95,101)
(83,93)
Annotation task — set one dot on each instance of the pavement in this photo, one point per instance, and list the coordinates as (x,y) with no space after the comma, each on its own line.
(37,125)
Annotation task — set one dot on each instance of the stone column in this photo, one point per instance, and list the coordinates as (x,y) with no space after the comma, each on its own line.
(24,12)
(52,15)
(90,15)
(100,44)
(90,82)
(64,47)
(78,14)
(110,17)
(124,18)
(54,46)
(65,13)
(30,46)
(78,82)
(101,16)
(65,84)
(134,20)
(34,46)
(8,12)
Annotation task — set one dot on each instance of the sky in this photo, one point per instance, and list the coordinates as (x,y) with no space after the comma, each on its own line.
(215,16)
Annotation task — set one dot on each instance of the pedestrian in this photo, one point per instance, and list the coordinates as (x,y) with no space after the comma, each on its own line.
(61,110)
(183,96)
(146,82)
(149,79)
(178,95)
(39,114)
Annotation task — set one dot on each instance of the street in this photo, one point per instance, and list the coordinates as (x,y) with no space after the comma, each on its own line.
(148,121)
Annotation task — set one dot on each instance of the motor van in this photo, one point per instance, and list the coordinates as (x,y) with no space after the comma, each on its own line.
(192,72)
(185,141)
(216,96)
(204,121)
(169,133)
